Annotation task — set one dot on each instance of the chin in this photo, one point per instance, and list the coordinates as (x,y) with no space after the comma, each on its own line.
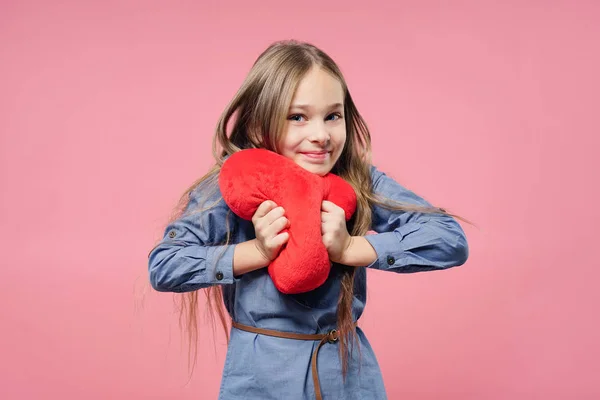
(320,170)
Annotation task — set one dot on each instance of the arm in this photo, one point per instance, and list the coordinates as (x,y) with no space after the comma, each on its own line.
(189,257)
(407,241)
(359,253)
(247,258)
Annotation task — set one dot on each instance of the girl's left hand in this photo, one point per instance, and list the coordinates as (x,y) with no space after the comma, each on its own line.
(333,228)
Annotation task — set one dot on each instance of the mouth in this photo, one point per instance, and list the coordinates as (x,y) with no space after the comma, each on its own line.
(316,155)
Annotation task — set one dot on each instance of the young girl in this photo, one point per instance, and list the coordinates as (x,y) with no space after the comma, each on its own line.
(295,102)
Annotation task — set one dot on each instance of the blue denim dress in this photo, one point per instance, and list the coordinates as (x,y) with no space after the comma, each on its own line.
(261,367)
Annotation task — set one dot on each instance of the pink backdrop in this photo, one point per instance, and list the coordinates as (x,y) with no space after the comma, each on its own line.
(488,109)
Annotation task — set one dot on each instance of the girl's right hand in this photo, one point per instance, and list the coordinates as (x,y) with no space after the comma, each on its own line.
(269,220)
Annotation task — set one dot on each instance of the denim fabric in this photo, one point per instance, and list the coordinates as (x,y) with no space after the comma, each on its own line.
(193,255)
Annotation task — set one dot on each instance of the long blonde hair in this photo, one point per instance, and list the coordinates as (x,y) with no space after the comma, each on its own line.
(260,107)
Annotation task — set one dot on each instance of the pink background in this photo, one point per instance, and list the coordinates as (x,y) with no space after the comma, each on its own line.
(489,109)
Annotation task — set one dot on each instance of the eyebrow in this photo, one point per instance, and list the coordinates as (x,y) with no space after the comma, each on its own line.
(308,107)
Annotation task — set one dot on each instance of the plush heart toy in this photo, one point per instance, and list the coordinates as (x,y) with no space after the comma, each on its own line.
(249,177)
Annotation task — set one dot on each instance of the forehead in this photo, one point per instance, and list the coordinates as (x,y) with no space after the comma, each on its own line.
(318,88)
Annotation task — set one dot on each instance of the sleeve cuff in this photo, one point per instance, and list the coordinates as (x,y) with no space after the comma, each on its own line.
(221,265)
(388,248)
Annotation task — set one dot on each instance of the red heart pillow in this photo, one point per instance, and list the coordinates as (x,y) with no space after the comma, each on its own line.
(249,177)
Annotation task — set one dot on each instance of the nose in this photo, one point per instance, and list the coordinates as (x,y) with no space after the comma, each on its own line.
(320,134)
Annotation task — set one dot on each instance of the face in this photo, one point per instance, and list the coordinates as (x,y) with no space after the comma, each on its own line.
(315,131)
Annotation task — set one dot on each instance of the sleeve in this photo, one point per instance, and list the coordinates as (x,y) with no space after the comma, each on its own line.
(407,242)
(189,257)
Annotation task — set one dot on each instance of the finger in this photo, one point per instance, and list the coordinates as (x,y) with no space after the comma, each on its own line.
(328,206)
(325,227)
(325,217)
(264,208)
(276,227)
(274,215)
(329,216)
(280,240)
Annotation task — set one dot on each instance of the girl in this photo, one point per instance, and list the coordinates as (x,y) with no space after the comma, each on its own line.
(295,102)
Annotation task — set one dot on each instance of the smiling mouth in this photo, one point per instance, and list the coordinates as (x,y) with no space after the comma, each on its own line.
(316,155)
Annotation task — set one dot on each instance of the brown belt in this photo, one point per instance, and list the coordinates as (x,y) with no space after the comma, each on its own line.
(330,337)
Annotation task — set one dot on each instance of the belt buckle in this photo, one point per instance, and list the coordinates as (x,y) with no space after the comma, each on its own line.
(333,336)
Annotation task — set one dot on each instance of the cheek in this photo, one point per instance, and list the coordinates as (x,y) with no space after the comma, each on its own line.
(340,138)
(288,150)
(287,143)
(288,146)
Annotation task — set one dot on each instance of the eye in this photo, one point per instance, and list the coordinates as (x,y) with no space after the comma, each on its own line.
(295,117)
(337,114)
